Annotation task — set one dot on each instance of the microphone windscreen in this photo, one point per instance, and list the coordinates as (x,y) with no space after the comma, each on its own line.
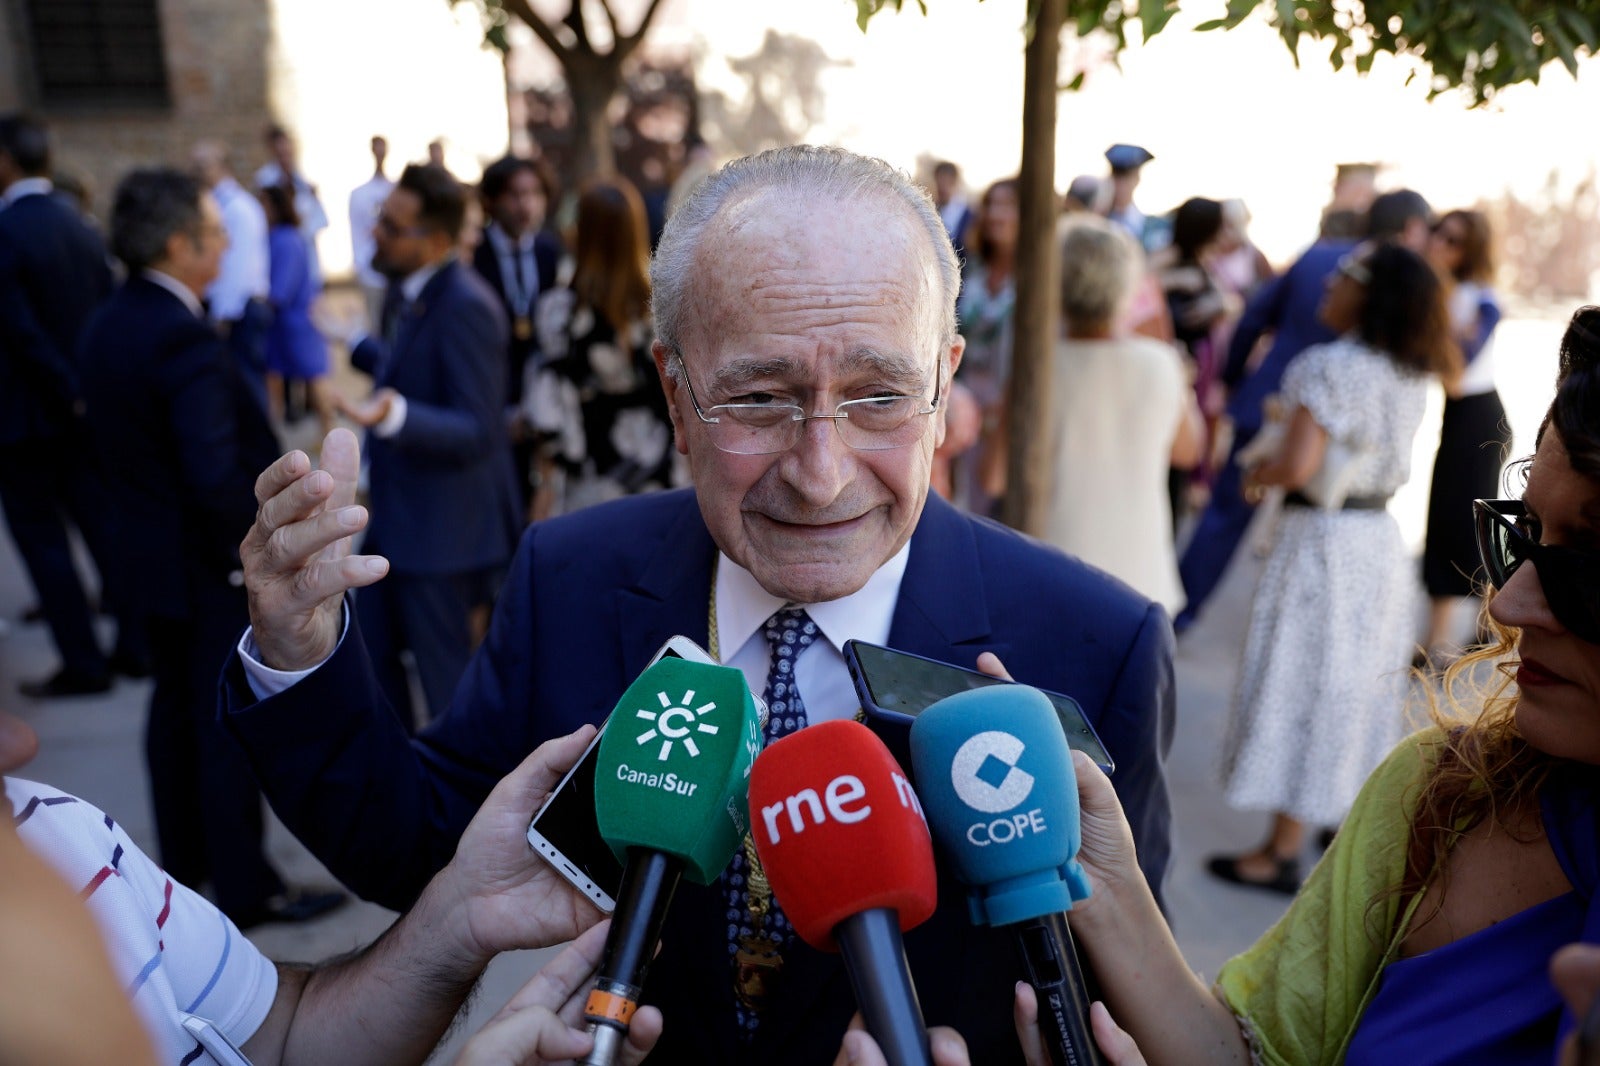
(674,764)
(996,776)
(839,831)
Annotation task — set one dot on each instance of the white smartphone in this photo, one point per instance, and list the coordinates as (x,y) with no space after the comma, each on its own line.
(565,830)
(208,1036)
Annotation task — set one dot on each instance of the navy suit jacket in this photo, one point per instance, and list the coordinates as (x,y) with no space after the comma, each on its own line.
(546,258)
(181,439)
(443,497)
(590,598)
(53,274)
(1286,307)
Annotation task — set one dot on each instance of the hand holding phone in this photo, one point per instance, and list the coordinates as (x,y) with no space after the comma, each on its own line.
(896,686)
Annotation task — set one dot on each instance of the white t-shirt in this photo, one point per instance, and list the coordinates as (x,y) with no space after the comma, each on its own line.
(173,951)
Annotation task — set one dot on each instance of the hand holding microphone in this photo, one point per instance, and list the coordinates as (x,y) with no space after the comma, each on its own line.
(672,773)
(844,845)
(1002,799)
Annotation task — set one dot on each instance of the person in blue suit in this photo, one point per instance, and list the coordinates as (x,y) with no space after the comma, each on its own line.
(444,504)
(180,435)
(805,316)
(1286,308)
(53,274)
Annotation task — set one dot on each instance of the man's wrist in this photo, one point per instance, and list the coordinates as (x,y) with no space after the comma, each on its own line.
(443,919)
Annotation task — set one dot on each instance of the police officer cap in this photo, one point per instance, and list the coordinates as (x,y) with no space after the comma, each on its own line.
(1127,156)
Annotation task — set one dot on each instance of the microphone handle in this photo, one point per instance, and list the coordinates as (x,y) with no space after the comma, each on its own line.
(875,958)
(649,878)
(1045,944)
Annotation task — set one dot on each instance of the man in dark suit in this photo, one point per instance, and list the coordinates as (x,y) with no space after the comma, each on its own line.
(181,436)
(518,258)
(53,273)
(444,507)
(802,279)
(1286,307)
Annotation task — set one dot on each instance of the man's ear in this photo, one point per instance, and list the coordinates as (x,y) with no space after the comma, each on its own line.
(953,358)
(663,356)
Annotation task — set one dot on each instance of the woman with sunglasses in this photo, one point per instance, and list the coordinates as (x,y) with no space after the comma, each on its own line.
(1472,854)
(1323,673)
(1474,439)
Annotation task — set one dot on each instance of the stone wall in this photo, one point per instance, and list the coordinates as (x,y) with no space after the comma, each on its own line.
(217,54)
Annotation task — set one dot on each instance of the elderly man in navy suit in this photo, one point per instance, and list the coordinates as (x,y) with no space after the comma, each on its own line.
(179,434)
(444,505)
(804,303)
(53,273)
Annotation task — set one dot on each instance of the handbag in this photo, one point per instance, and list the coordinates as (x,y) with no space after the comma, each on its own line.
(1330,485)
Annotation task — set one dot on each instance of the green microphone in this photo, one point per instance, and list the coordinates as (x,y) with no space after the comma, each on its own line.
(671,782)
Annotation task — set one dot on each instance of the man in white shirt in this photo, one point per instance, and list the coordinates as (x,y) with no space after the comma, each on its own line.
(237,300)
(366,200)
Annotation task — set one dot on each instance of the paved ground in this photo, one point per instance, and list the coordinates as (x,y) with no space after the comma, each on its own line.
(92,747)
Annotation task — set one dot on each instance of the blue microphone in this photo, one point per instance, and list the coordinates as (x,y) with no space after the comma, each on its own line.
(997,783)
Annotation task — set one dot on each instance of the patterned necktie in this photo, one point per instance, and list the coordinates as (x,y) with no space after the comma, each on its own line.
(789,632)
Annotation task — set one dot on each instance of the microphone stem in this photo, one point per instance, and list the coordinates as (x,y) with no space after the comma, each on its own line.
(875,958)
(649,879)
(1051,963)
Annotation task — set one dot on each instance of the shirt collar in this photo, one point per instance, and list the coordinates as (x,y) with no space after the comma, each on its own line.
(26,187)
(177,288)
(743,606)
(412,284)
(504,243)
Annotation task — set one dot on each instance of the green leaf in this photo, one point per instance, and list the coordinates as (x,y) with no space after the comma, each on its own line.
(1074,85)
(1565,50)
(1154,16)
(1364,62)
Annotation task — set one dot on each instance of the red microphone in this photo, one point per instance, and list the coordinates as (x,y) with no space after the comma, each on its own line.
(847,852)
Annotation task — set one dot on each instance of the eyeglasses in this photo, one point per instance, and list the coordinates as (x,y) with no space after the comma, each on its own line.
(1355,269)
(1507,538)
(391,228)
(870,424)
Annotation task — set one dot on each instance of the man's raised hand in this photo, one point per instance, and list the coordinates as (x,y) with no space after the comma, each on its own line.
(297,561)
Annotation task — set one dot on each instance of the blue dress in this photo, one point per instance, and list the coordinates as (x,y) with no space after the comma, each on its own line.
(295,349)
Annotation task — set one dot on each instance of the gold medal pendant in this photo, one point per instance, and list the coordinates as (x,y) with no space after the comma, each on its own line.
(522,329)
(756,966)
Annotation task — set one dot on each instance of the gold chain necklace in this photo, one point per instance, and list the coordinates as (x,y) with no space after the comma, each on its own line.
(758,959)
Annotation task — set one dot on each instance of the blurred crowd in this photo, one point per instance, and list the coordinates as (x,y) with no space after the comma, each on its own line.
(510,373)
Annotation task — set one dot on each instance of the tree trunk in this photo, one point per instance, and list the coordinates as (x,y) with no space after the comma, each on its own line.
(1030,465)
(592,83)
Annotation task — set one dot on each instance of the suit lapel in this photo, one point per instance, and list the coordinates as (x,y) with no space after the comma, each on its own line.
(413,317)
(672,594)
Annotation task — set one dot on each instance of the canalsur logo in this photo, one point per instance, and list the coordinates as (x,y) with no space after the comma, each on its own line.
(985,774)
(675,723)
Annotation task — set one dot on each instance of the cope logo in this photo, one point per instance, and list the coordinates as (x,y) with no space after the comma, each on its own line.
(985,773)
(676,722)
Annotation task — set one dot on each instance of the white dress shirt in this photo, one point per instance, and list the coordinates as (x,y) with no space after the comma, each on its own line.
(743,607)
(245,272)
(26,187)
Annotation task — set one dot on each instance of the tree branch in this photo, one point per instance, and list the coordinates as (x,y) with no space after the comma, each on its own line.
(626,45)
(611,17)
(541,29)
(574,21)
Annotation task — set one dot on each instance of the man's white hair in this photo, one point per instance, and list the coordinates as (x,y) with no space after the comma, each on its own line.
(822,174)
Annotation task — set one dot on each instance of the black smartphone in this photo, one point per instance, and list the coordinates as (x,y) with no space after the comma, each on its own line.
(897,686)
(566,832)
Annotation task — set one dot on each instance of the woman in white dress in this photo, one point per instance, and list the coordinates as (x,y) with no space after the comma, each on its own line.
(1325,659)
(1124,415)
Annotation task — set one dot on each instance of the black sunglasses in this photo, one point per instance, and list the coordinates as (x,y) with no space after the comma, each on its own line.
(1570,578)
